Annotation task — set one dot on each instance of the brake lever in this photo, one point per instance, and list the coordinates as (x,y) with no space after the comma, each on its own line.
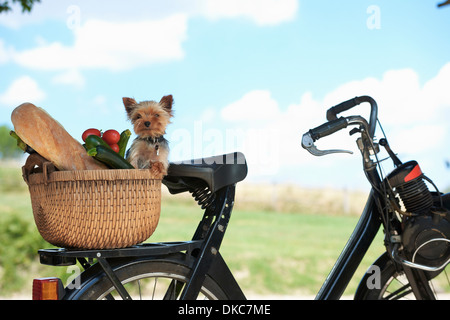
(308,144)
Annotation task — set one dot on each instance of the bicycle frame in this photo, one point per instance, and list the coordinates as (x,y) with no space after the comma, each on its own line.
(353,252)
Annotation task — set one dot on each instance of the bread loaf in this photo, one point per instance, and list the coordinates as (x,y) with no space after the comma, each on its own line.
(49,138)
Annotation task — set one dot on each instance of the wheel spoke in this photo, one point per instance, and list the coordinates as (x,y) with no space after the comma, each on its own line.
(398,294)
(139,289)
(154,288)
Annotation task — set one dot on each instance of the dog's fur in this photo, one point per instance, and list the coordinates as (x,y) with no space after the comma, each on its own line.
(150,150)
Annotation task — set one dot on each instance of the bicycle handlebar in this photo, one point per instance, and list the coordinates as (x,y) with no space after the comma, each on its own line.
(335,124)
(346,105)
(343,106)
(328,128)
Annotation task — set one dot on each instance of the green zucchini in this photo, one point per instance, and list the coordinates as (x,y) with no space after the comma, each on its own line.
(108,156)
(124,137)
(22,145)
(92,141)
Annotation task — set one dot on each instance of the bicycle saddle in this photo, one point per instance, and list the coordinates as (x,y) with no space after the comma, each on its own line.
(217,172)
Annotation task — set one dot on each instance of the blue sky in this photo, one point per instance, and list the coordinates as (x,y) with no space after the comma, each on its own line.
(245,75)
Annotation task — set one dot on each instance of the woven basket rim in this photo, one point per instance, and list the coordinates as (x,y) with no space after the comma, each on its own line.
(89,175)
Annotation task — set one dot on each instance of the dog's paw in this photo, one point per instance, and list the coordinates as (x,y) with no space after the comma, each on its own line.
(158,169)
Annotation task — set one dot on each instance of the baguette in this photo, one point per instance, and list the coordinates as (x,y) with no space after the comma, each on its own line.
(49,138)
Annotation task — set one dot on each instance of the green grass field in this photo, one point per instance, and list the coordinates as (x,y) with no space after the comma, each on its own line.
(283,245)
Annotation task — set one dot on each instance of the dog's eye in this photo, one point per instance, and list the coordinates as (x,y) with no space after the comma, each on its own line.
(138,116)
(156,115)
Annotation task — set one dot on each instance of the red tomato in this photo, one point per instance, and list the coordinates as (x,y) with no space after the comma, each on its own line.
(111,136)
(115,147)
(89,132)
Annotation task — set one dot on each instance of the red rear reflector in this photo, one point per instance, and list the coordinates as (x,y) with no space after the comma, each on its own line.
(416,172)
(46,288)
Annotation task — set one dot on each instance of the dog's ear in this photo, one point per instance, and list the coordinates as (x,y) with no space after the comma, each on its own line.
(129,103)
(166,102)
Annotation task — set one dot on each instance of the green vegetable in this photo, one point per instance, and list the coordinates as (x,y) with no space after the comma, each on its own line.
(124,137)
(109,157)
(92,141)
(22,145)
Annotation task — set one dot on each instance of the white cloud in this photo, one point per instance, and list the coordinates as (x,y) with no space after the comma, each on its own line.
(208,115)
(23,89)
(261,12)
(4,52)
(435,91)
(254,105)
(100,104)
(418,137)
(112,46)
(113,37)
(403,103)
(401,99)
(68,10)
(71,77)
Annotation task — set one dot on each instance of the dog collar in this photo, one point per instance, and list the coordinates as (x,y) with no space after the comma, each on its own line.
(156,141)
(153,140)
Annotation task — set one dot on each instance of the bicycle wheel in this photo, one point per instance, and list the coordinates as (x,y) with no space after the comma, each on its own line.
(147,279)
(392,285)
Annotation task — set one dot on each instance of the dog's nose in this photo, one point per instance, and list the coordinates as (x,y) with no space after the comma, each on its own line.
(147,123)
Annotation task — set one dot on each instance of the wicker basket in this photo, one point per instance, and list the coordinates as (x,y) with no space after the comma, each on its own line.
(93,209)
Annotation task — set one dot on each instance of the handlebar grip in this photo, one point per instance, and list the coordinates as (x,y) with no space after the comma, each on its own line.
(341,107)
(328,128)
(346,105)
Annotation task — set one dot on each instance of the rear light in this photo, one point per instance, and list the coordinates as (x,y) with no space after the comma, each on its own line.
(47,289)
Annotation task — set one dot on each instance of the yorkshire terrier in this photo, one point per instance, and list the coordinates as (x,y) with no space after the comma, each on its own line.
(150,150)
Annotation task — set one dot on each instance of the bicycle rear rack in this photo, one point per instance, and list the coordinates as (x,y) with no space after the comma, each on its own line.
(67,257)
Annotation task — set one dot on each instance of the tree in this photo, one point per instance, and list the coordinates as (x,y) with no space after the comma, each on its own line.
(27,5)
(8,145)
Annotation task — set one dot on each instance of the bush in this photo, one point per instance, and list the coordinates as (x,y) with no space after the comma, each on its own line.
(8,145)
(20,241)
(19,237)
